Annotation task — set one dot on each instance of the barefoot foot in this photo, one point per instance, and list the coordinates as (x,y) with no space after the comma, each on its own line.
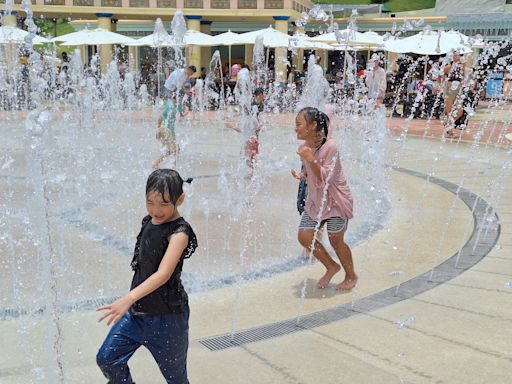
(347,284)
(326,279)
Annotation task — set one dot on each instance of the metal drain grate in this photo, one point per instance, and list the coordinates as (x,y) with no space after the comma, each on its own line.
(486,231)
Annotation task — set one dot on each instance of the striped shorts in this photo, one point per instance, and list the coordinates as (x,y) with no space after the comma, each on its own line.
(334,224)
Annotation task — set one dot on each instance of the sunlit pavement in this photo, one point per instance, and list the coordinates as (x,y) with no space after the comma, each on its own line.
(452,326)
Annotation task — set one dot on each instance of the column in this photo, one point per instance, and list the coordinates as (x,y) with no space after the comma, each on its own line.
(206,52)
(298,58)
(104,21)
(9,18)
(132,58)
(281,54)
(10,49)
(322,55)
(193,51)
(249,53)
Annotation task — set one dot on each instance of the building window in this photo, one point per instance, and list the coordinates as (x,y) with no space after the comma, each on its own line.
(111,3)
(139,3)
(247,4)
(193,3)
(83,3)
(16,1)
(54,2)
(166,4)
(274,4)
(220,4)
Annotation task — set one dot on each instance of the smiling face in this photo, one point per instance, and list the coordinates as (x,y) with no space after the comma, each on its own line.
(161,209)
(304,130)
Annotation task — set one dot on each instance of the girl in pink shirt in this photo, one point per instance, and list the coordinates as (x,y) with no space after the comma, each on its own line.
(329,199)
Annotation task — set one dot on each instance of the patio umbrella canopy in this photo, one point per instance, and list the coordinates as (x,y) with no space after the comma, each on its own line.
(271,38)
(198,38)
(228,38)
(14,35)
(157,39)
(428,43)
(347,36)
(96,36)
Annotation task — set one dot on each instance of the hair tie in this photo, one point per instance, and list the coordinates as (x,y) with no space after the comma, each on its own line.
(188,181)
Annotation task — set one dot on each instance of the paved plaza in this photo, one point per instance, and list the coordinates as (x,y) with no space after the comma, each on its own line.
(432,245)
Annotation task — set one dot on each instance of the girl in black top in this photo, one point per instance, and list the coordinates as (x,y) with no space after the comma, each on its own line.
(155,312)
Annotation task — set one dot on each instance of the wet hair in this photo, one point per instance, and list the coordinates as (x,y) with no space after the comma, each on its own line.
(258,91)
(246,66)
(192,68)
(166,181)
(313,115)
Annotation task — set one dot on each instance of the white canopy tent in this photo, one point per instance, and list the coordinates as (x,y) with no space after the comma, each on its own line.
(272,38)
(429,43)
(96,36)
(346,36)
(13,35)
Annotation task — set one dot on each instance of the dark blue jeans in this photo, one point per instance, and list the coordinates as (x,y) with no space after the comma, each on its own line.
(166,337)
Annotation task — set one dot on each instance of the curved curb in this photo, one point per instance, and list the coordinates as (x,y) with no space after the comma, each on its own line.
(485,234)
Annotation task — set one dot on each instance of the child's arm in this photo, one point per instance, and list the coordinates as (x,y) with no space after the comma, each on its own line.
(231,125)
(177,244)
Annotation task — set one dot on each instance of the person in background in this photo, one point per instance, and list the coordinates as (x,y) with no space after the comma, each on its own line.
(376,81)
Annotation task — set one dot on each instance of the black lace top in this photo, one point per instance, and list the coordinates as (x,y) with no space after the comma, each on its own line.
(152,242)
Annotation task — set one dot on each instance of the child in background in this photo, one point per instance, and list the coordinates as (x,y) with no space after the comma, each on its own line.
(166,130)
(155,312)
(329,200)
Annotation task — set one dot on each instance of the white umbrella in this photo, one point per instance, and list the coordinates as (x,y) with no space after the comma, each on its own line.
(158,38)
(229,38)
(347,36)
(193,37)
(152,41)
(96,36)
(374,37)
(428,43)
(10,34)
(303,41)
(271,38)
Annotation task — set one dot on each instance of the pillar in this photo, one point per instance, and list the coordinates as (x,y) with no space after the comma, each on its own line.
(104,21)
(133,60)
(193,51)
(322,54)
(206,52)
(298,58)
(9,18)
(249,53)
(281,54)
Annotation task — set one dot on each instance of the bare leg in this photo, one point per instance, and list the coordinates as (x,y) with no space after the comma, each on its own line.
(345,255)
(306,239)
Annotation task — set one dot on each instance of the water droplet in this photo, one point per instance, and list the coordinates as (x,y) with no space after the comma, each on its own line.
(407,322)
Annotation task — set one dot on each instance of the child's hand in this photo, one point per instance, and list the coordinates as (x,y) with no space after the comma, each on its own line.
(116,310)
(229,124)
(306,154)
(297,175)
(158,135)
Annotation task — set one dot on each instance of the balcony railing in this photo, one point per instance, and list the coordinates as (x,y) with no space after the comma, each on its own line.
(111,3)
(54,2)
(220,4)
(83,3)
(247,4)
(193,4)
(166,3)
(139,3)
(274,4)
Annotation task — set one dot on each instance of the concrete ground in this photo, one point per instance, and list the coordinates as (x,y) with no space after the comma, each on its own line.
(432,304)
